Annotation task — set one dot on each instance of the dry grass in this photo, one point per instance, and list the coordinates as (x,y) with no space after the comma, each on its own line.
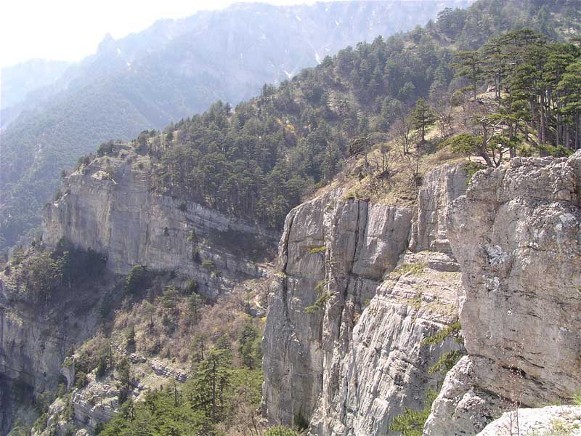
(167,324)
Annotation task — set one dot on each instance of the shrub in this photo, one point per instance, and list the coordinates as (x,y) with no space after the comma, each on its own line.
(410,268)
(445,362)
(209,264)
(411,422)
(281,430)
(453,330)
(317,249)
(319,304)
(137,279)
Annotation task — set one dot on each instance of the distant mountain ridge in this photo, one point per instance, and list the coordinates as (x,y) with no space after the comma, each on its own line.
(170,71)
(34,79)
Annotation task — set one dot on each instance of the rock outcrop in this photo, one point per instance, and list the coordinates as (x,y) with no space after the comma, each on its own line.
(545,421)
(517,236)
(333,253)
(34,340)
(343,341)
(386,367)
(110,206)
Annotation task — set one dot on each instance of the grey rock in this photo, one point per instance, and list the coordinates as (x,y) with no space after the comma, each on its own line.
(332,256)
(111,207)
(352,360)
(517,236)
(439,188)
(545,421)
(385,368)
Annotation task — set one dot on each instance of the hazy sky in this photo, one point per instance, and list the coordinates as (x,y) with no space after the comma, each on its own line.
(72,29)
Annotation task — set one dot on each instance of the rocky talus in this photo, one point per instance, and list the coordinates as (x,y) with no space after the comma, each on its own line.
(517,236)
(354,300)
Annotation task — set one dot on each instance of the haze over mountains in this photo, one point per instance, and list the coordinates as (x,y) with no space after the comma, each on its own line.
(170,71)
(401,266)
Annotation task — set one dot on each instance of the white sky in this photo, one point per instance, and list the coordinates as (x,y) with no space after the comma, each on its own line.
(72,29)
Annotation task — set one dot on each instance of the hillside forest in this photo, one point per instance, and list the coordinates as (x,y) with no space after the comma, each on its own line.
(485,84)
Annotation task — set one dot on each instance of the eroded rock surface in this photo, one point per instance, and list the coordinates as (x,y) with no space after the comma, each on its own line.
(332,256)
(517,236)
(545,421)
(111,206)
(343,341)
(386,365)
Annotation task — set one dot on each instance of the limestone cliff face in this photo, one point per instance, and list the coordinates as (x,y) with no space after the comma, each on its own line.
(110,206)
(333,253)
(342,343)
(517,236)
(34,340)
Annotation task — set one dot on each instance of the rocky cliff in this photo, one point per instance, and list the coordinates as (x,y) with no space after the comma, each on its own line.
(343,341)
(110,206)
(517,236)
(361,286)
(35,338)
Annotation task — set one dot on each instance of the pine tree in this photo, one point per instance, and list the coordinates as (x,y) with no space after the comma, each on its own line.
(422,117)
(469,64)
(211,380)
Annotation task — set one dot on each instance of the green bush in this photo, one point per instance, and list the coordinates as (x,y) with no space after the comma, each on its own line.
(411,422)
(137,280)
(281,430)
(453,331)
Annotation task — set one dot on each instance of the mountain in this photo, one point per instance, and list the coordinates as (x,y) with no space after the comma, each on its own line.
(32,79)
(170,71)
(400,267)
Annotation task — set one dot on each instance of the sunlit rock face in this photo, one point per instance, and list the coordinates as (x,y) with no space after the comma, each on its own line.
(517,236)
(343,341)
(111,206)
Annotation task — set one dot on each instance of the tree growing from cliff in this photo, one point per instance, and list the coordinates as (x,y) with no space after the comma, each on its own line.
(411,422)
(40,274)
(137,279)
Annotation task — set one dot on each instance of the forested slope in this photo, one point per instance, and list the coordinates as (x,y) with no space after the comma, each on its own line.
(257,159)
(172,70)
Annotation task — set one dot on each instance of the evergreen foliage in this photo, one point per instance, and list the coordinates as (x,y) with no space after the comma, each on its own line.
(411,422)
(257,160)
(208,399)
(536,96)
(170,71)
(39,274)
(137,279)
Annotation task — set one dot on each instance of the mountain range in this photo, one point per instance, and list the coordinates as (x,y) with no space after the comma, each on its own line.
(172,70)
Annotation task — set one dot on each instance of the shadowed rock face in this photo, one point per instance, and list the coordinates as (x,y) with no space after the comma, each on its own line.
(34,340)
(343,341)
(517,236)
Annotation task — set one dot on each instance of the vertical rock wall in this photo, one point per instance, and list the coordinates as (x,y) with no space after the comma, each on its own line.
(332,256)
(354,360)
(110,206)
(517,236)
